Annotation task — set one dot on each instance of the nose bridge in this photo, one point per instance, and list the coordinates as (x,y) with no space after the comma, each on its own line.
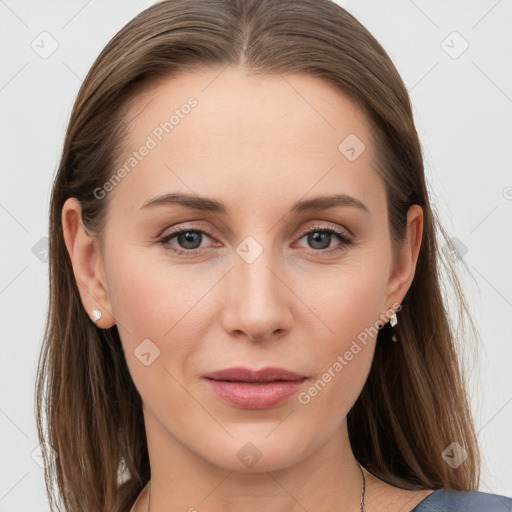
(258,284)
(259,304)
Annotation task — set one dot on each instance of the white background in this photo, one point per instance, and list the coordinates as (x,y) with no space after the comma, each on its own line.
(463,111)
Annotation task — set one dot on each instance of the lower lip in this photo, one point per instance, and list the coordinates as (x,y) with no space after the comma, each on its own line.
(262,395)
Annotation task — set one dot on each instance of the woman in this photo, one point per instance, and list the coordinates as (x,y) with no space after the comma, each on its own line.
(245,251)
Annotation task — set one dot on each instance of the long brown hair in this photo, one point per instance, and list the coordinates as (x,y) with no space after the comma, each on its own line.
(414,403)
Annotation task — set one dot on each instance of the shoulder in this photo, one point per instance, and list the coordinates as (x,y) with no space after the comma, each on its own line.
(443,500)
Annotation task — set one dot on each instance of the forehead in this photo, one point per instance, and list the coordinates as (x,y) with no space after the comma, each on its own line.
(224,130)
(236,100)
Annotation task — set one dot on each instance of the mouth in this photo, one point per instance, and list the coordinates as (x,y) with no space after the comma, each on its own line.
(254,389)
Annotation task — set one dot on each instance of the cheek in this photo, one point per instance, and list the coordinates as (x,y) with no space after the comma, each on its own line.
(348,300)
(150,295)
(349,310)
(157,306)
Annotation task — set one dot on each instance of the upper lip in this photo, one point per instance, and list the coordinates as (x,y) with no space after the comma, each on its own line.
(241,374)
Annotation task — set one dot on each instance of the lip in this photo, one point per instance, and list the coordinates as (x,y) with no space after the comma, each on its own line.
(254,389)
(268,374)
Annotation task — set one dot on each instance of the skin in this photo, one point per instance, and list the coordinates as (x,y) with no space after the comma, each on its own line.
(296,306)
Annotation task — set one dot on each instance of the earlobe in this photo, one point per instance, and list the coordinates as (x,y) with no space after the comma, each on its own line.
(406,257)
(86,260)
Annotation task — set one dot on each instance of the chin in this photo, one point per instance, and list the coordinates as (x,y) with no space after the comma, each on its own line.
(249,453)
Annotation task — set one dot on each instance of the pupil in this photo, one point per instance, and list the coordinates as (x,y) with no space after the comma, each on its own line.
(188,238)
(316,238)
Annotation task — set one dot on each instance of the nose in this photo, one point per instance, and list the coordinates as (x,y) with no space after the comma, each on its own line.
(258,303)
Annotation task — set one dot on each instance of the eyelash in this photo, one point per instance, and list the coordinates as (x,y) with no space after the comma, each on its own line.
(343,237)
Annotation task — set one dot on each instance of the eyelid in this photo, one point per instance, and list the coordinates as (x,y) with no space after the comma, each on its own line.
(200,227)
(325,226)
(320,225)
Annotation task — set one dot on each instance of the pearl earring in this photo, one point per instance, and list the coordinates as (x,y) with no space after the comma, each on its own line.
(96,315)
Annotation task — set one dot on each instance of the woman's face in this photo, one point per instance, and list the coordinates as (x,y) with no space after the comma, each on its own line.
(248,158)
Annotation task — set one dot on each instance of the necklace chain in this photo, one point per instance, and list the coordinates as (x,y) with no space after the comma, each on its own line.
(363,490)
(361,504)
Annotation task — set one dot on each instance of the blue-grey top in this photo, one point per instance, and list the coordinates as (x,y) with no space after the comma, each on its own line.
(442,500)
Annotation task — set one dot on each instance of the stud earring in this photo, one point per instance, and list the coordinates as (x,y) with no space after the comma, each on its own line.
(96,315)
(393,321)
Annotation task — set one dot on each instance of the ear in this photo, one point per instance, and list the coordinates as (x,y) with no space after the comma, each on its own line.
(402,273)
(87,263)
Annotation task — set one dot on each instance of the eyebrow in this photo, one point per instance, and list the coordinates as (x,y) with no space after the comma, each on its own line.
(211,205)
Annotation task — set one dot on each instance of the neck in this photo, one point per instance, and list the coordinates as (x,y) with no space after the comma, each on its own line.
(327,479)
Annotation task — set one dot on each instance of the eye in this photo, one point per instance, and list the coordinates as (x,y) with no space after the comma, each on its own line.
(188,240)
(320,237)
